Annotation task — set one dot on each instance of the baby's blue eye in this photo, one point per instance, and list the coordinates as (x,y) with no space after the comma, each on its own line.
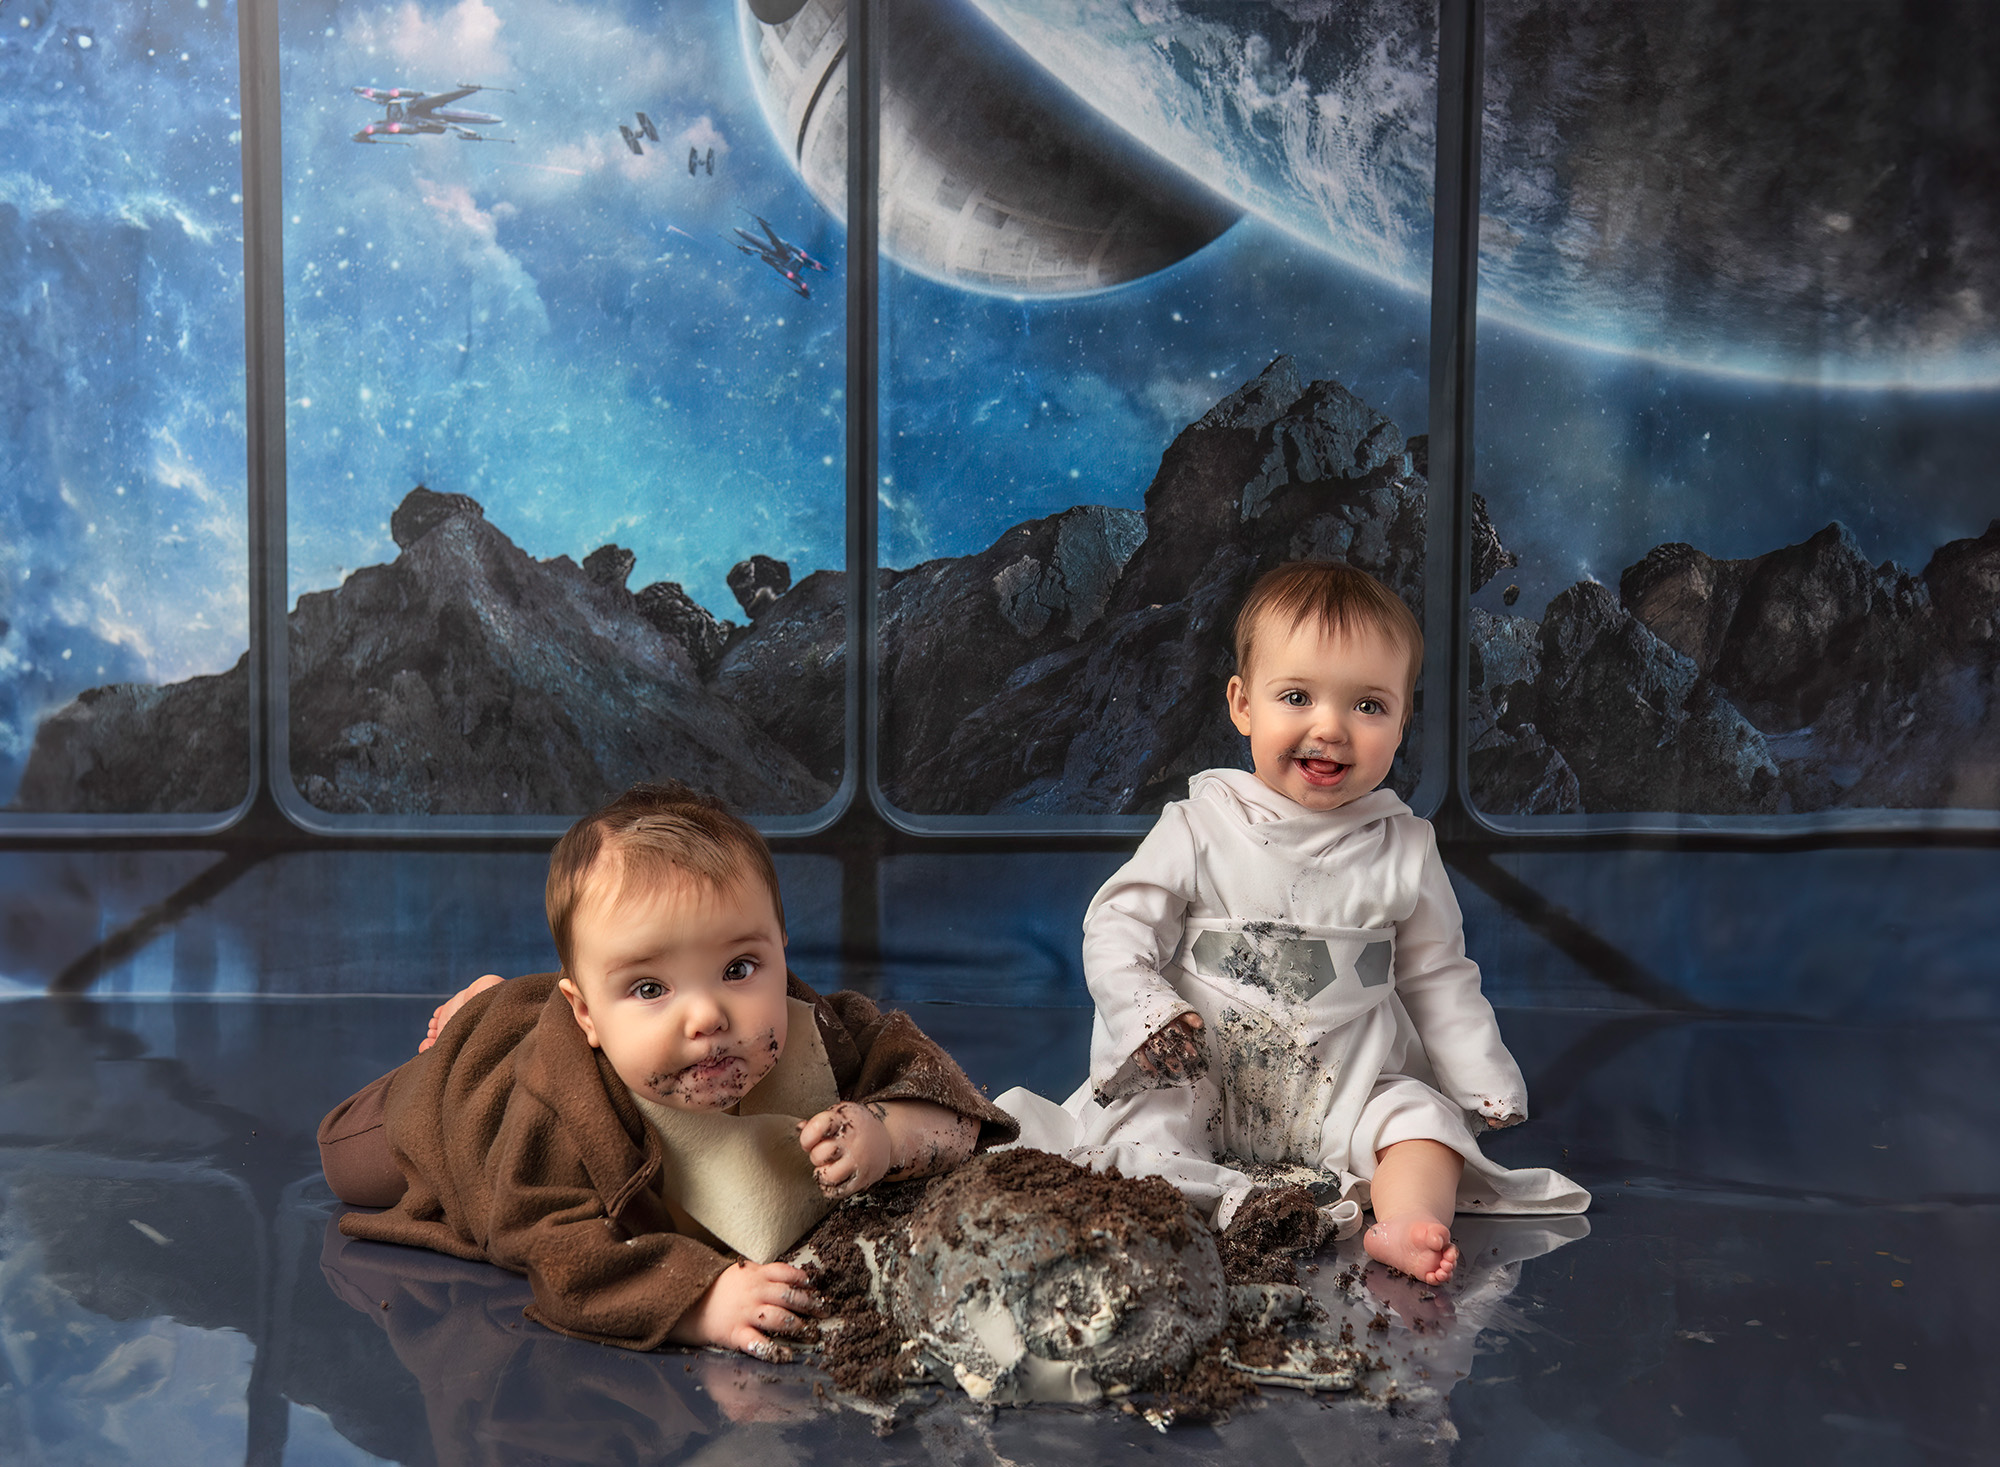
(1368,705)
(1294,699)
(740,969)
(649,989)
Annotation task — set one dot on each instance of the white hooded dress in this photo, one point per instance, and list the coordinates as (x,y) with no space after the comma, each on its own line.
(1325,953)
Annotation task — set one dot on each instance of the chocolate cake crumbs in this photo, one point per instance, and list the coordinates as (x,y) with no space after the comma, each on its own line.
(858,1345)
(1088,1200)
(868,1354)
(1268,1235)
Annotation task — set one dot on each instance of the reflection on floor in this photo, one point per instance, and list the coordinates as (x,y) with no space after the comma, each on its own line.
(1792,1257)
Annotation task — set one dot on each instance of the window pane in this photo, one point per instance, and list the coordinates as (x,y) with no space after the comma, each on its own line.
(123,580)
(1155,318)
(1737,413)
(566,415)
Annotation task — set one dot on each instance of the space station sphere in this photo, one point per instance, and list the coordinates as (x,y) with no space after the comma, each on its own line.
(994,175)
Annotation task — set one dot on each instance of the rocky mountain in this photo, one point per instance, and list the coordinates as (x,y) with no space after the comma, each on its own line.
(137,749)
(1799,680)
(464,677)
(1076,665)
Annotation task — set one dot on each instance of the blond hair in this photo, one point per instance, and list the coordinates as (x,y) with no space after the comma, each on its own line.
(655,832)
(1337,598)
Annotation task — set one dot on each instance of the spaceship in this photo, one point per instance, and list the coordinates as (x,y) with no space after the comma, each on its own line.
(995,176)
(779,253)
(697,160)
(409,113)
(646,128)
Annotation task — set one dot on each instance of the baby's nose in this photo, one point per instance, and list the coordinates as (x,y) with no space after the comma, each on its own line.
(705,1016)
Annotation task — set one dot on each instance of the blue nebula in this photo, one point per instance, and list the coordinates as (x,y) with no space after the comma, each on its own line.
(548,322)
(122,535)
(995,410)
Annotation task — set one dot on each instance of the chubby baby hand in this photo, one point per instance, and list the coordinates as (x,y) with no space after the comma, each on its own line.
(1174,1053)
(848,1146)
(746,1305)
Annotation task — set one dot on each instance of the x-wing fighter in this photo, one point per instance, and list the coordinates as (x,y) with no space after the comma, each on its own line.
(409,113)
(779,253)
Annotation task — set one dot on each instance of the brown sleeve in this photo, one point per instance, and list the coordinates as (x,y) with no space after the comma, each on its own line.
(895,1060)
(591,1279)
(590,1242)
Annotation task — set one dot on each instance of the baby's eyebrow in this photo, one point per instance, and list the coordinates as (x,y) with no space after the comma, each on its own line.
(634,961)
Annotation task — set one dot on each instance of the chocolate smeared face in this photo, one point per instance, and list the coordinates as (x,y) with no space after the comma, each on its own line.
(682,986)
(1324,710)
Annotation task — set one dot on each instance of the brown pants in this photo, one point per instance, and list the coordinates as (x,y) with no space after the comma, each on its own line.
(354,1149)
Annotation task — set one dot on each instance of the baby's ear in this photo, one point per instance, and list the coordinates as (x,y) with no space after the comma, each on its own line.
(580,1010)
(1237,696)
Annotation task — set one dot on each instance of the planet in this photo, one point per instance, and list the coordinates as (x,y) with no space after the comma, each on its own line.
(994,176)
(1707,185)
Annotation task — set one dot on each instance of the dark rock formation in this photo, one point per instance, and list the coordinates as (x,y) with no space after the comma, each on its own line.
(609,565)
(1636,722)
(1489,556)
(1964,582)
(686,620)
(1860,686)
(788,673)
(1524,775)
(467,677)
(758,582)
(135,749)
(423,510)
(1685,598)
(954,631)
(464,677)
(1077,664)
(1816,618)
(1512,768)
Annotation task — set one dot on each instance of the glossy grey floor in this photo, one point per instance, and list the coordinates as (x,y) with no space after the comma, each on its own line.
(1791,1258)
(1773,1070)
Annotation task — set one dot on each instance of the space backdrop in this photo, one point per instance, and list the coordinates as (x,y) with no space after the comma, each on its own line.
(1734,286)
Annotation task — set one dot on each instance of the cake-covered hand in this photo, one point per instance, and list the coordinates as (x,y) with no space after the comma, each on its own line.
(1175,1054)
(746,1306)
(854,1146)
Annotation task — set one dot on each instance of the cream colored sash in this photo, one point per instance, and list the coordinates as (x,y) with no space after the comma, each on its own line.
(743,1178)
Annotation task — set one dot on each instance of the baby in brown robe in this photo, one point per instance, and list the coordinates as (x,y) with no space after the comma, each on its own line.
(672,1097)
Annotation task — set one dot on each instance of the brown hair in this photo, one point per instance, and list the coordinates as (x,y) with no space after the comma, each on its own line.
(655,830)
(1336,597)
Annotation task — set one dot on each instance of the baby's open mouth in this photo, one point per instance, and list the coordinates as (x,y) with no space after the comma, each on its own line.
(710,1070)
(706,1082)
(1322,773)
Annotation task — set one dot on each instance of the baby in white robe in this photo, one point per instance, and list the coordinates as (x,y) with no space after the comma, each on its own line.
(1280,970)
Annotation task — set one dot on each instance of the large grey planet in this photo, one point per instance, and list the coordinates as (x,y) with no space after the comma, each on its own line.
(1807,195)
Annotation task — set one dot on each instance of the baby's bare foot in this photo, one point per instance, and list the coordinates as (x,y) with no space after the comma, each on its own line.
(1414,1242)
(441,1015)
